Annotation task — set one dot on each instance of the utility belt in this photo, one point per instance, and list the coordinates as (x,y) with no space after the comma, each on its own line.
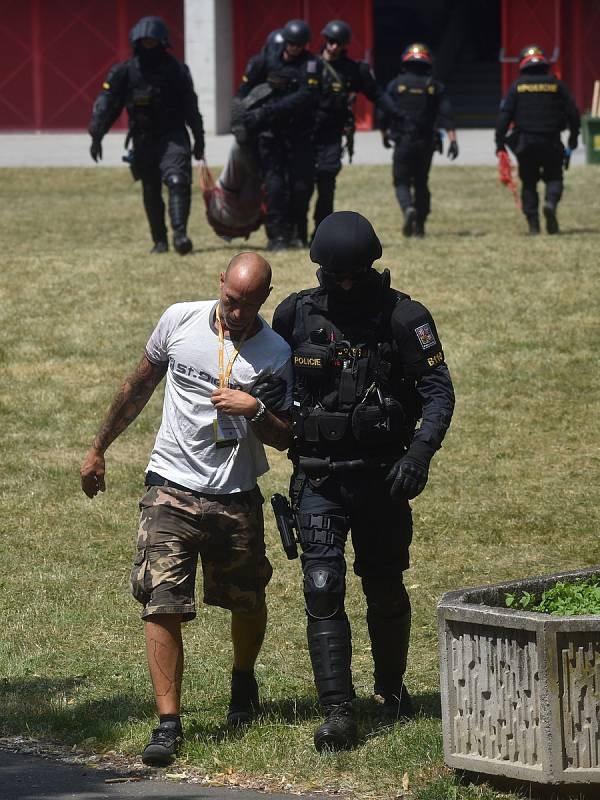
(315,467)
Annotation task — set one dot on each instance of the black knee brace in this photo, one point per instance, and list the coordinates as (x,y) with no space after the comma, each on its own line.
(323,592)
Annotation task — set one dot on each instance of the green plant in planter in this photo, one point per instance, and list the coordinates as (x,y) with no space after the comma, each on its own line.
(564,599)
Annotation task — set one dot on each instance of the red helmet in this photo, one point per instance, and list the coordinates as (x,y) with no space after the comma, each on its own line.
(417,53)
(532,56)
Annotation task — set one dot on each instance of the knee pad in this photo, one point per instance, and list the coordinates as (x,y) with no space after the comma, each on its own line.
(177,183)
(323,592)
(386,597)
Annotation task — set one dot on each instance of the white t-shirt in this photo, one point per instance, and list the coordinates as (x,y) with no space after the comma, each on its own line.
(185,451)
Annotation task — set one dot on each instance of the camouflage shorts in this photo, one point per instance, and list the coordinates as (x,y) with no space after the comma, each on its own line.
(225,530)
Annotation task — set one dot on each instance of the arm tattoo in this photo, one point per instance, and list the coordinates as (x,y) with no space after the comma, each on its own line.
(129,401)
(274,430)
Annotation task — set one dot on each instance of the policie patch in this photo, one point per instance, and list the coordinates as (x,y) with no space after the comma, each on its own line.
(425,336)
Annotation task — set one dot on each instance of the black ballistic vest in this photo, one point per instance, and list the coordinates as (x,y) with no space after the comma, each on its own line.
(417,97)
(155,96)
(540,108)
(351,398)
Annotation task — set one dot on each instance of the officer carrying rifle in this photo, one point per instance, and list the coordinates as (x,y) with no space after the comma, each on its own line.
(368,366)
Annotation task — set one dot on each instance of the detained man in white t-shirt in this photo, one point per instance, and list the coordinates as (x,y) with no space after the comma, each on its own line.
(228,393)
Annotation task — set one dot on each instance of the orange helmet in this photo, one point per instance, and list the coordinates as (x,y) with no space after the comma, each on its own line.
(417,53)
(532,56)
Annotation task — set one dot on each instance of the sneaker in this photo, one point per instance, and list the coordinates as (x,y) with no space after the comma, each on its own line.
(339,731)
(277,244)
(244,703)
(160,247)
(298,244)
(163,745)
(550,217)
(182,243)
(395,705)
(410,217)
(533,222)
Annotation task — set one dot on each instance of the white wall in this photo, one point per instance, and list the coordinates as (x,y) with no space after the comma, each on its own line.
(209,55)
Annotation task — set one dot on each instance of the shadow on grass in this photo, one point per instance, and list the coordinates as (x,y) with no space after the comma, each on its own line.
(525,789)
(41,706)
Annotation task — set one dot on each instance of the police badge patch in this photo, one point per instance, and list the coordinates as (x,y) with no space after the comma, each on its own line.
(425,336)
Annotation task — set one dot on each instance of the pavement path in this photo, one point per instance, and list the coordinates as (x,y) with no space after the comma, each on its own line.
(34,777)
(72,149)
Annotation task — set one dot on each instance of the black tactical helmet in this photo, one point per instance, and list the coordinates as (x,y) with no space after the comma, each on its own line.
(296,31)
(151,28)
(338,31)
(345,242)
(532,56)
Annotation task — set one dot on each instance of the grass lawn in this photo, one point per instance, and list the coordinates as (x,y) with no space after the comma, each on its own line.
(515,491)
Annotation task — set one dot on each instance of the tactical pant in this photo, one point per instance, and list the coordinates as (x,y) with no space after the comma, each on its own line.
(287,165)
(412,162)
(328,163)
(381,535)
(544,162)
(164,159)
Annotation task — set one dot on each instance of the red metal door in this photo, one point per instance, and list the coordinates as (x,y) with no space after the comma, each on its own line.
(570,28)
(529,22)
(55,56)
(253,20)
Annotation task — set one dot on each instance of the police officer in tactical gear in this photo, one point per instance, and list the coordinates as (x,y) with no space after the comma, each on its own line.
(342,78)
(157,91)
(368,365)
(540,106)
(282,131)
(424,106)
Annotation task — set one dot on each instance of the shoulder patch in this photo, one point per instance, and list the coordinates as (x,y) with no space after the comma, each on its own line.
(425,336)
(106,85)
(311,66)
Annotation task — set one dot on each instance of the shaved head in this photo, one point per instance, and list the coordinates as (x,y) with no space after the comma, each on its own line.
(250,271)
(245,285)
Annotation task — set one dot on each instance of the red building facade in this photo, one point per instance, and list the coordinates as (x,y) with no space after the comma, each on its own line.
(56,53)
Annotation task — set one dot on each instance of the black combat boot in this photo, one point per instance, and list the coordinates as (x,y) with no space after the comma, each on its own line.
(277,244)
(533,221)
(550,217)
(420,228)
(160,247)
(410,218)
(330,649)
(244,703)
(339,731)
(179,211)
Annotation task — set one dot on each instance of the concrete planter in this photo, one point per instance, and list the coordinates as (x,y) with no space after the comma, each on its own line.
(520,690)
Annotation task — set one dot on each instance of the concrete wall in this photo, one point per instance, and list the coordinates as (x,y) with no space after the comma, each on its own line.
(209,55)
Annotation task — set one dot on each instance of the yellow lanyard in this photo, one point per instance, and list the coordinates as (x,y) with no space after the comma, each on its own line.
(225,372)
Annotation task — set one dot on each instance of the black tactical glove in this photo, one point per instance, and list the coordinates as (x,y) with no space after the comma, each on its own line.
(387,142)
(198,150)
(270,391)
(573,141)
(567,157)
(452,150)
(255,118)
(409,474)
(96,149)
